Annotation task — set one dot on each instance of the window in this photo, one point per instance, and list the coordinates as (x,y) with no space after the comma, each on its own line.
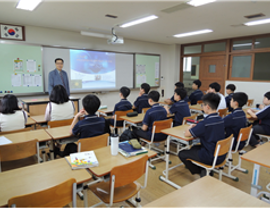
(192,49)
(241,66)
(242,45)
(214,47)
(262,42)
(187,64)
(212,69)
(262,66)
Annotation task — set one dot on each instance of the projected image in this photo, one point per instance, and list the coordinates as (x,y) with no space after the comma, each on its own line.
(90,69)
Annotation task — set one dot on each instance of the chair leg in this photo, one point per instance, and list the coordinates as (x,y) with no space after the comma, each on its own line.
(220,174)
(43,155)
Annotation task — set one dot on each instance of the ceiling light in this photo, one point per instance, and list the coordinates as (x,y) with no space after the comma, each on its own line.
(197,3)
(142,20)
(28,4)
(85,33)
(193,33)
(257,22)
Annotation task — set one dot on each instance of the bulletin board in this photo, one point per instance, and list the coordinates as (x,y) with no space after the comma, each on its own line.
(21,69)
(147,69)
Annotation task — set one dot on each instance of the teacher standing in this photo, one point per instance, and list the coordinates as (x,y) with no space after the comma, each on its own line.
(58,76)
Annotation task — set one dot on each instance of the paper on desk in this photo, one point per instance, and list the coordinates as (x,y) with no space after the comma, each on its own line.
(4,140)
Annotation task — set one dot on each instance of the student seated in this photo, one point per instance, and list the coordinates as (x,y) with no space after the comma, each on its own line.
(264,121)
(90,126)
(229,90)
(215,88)
(171,100)
(123,105)
(155,113)
(142,101)
(11,117)
(237,119)
(59,107)
(180,108)
(197,94)
(210,131)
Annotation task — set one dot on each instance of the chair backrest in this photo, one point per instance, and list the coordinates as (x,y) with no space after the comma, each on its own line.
(145,109)
(188,102)
(58,123)
(119,114)
(192,117)
(162,124)
(130,172)
(16,151)
(92,143)
(56,196)
(244,135)
(223,146)
(16,131)
(250,102)
(199,102)
(222,112)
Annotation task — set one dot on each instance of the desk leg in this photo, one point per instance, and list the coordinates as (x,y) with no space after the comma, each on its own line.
(85,201)
(255,179)
(124,125)
(51,150)
(166,178)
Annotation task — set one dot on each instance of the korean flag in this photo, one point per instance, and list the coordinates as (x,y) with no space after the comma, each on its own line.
(11,32)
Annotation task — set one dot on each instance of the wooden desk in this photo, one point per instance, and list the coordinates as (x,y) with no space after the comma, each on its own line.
(196,107)
(107,161)
(260,157)
(30,121)
(248,116)
(207,192)
(38,177)
(59,132)
(38,106)
(40,135)
(104,112)
(177,132)
(39,119)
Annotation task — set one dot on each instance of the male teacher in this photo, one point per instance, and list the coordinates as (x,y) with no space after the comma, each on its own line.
(58,76)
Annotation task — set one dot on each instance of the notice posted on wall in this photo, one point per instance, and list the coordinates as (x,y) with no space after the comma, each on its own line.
(16,80)
(31,65)
(32,80)
(18,64)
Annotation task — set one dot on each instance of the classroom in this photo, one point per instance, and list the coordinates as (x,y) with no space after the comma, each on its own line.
(91,38)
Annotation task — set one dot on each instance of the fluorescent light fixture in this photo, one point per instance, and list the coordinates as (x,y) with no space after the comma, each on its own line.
(28,4)
(86,33)
(197,3)
(257,22)
(193,33)
(142,20)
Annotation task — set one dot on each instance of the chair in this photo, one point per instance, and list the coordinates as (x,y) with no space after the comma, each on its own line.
(199,102)
(117,118)
(188,103)
(56,196)
(122,185)
(145,109)
(17,151)
(250,102)
(222,148)
(157,127)
(178,142)
(264,136)
(223,112)
(58,123)
(15,131)
(244,135)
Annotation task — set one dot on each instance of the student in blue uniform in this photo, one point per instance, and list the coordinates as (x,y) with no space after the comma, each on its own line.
(237,119)
(155,113)
(123,105)
(197,94)
(180,108)
(171,100)
(90,126)
(229,90)
(264,121)
(210,131)
(142,101)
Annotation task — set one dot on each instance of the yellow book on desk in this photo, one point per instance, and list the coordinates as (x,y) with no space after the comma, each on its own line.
(82,160)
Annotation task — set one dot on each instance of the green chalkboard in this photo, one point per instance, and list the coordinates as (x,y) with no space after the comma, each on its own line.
(21,69)
(147,69)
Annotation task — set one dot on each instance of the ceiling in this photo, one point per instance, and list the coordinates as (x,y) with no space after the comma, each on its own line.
(90,16)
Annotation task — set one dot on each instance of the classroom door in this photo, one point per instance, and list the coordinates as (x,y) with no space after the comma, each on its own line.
(212,69)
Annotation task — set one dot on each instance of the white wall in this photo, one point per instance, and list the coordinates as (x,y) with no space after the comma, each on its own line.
(254,90)
(170,55)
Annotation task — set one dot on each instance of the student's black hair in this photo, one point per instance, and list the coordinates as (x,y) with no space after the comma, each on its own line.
(212,99)
(181,92)
(267,95)
(241,98)
(179,85)
(215,86)
(197,82)
(145,87)
(59,59)
(9,104)
(154,95)
(231,87)
(125,91)
(91,103)
(59,95)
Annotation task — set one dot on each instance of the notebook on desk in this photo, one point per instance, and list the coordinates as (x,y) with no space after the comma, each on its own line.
(126,149)
(82,160)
